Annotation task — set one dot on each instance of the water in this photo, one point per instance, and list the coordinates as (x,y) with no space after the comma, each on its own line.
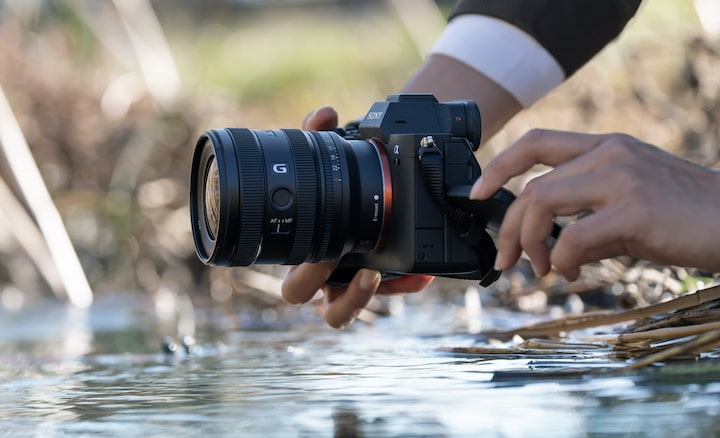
(103,372)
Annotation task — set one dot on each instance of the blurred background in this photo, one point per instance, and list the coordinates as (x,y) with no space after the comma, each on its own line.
(110,97)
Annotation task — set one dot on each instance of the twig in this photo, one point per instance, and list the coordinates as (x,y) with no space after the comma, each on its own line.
(599,319)
(648,336)
(19,223)
(686,317)
(151,48)
(25,170)
(703,342)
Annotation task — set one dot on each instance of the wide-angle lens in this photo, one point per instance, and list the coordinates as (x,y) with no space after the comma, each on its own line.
(286,196)
(212,198)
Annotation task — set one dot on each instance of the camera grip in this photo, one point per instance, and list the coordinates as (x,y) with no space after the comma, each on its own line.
(489,211)
(346,270)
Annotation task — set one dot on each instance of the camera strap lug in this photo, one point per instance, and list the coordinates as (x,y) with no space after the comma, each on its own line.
(471,231)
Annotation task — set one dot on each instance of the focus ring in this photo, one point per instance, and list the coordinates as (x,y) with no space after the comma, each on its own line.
(306,196)
(252,193)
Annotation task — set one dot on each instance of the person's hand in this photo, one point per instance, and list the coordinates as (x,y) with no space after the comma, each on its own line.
(342,305)
(645,202)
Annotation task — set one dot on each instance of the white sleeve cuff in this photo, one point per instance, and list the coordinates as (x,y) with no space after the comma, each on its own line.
(504,53)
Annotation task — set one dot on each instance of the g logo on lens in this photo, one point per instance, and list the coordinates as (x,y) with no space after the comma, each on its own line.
(280,168)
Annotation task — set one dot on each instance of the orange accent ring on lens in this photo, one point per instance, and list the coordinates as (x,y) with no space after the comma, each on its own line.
(387,192)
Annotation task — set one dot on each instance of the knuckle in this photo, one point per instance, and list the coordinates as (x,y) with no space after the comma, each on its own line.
(619,146)
(535,190)
(534,136)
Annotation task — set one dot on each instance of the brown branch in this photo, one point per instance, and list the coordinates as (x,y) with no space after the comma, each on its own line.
(588,320)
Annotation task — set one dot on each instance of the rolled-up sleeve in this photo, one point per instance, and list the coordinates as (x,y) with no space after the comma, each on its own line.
(531,46)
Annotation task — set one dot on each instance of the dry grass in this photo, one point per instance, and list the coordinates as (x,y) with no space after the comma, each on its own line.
(685,328)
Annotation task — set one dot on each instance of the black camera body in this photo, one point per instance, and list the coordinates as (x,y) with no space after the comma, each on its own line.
(420,235)
(389,192)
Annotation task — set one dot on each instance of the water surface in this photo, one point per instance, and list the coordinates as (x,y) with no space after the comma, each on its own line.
(65,372)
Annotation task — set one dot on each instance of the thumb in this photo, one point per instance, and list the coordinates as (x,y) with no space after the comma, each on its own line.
(322,119)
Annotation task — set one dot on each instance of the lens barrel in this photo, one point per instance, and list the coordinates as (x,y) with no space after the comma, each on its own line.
(286,196)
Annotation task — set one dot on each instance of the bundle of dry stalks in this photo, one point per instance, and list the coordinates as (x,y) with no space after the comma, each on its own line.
(687,327)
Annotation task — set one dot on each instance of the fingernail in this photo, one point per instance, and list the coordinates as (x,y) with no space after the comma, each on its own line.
(369,279)
(322,108)
(498,262)
(475,191)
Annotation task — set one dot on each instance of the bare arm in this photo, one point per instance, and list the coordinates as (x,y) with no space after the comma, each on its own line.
(449,79)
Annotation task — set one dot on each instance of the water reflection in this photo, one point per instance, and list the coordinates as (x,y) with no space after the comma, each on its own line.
(387,380)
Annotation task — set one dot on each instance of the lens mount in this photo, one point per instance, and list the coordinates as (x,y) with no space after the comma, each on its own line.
(387,193)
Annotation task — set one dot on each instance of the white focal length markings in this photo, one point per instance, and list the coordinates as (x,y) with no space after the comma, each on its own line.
(17,152)
(376,208)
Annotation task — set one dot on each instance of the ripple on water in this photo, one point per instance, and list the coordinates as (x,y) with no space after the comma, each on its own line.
(390,379)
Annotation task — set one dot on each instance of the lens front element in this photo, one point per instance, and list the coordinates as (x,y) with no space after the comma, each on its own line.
(212,198)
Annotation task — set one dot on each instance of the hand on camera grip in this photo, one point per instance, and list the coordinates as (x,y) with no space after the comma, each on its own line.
(489,211)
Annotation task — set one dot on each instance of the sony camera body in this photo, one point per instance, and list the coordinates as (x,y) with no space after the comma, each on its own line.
(421,236)
(389,192)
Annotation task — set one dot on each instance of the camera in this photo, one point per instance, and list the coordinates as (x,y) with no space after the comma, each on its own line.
(388,192)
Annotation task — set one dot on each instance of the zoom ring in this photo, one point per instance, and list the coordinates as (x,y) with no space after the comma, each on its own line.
(306,196)
(250,168)
(329,201)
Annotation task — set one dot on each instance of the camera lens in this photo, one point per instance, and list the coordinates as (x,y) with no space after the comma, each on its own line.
(286,196)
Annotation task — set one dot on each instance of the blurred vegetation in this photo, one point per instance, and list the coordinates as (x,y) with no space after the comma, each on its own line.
(116,156)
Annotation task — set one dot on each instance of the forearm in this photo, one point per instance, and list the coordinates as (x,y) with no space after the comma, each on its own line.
(507,54)
(449,79)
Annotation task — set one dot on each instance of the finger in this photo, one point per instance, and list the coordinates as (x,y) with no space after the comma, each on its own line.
(538,146)
(322,119)
(543,200)
(342,307)
(401,285)
(508,240)
(594,237)
(303,281)
(529,220)
(535,230)
(610,152)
